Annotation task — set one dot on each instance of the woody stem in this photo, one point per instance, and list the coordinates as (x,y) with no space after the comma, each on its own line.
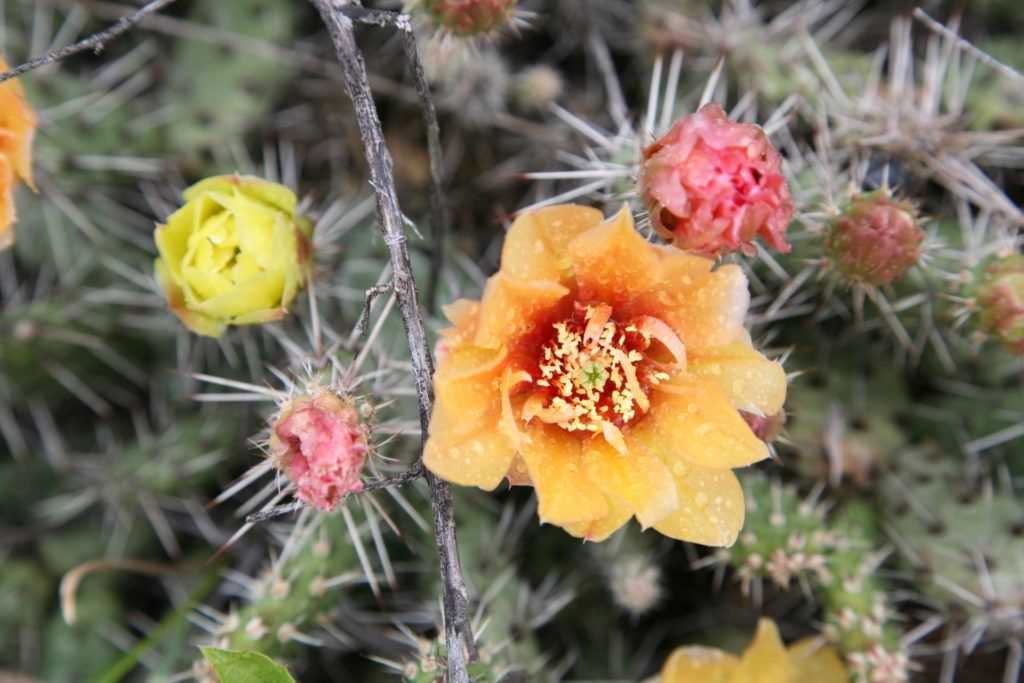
(458,632)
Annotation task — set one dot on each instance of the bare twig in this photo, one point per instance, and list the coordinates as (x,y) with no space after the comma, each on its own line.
(401,479)
(275,511)
(96,42)
(371,294)
(458,632)
(438,215)
(438,219)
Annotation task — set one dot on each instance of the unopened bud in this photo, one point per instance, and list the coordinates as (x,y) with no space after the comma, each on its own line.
(875,240)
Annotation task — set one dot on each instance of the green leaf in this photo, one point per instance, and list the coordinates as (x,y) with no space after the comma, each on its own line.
(245,667)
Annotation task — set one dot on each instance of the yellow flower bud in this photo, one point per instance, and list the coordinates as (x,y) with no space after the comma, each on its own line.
(234,254)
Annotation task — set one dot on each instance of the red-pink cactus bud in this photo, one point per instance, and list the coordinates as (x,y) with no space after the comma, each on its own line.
(469,17)
(712,185)
(876,239)
(1000,297)
(320,443)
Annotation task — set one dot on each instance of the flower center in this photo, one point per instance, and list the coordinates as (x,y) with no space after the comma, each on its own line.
(594,373)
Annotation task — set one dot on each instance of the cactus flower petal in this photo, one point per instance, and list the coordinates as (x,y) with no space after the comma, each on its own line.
(750,381)
(698,664)
(17,128)
(692,419)
(572,375)
(711,507)
(766,660)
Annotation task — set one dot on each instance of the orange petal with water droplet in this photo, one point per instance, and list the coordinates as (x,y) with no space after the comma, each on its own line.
(599,529)
(535,246)
(17,128)
(467,384)
(613,263)
(463,314)
(479,456)
(711,506)
(8,213)
(703,308)
(636,478)
(511,308)
(564,492)
(750,381)
(692,419)
(18,120)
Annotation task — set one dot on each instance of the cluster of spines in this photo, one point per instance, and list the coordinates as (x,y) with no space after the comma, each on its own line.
(832,555)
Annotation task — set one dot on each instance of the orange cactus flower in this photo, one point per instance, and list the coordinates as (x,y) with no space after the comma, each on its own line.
(767,660)
(17,127)
(608,373)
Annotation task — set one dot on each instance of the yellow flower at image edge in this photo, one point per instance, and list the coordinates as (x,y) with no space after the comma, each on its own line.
(234,254)
(608,373)
(766,660)
(17,128)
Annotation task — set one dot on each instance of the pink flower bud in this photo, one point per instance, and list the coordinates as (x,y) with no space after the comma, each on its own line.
(713,185)
(469,17)
(320,443)
(876,239)
(1000,298)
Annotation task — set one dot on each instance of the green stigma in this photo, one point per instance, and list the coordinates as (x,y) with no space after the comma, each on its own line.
(593,375)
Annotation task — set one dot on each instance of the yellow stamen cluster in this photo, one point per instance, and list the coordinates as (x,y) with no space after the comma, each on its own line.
(596,374)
